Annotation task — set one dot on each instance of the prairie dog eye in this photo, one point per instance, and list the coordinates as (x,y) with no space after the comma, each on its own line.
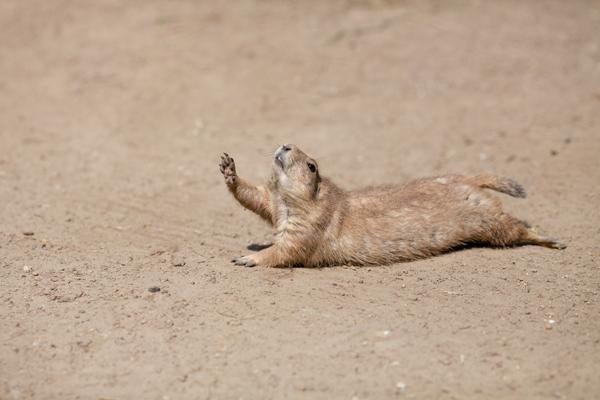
(312,167)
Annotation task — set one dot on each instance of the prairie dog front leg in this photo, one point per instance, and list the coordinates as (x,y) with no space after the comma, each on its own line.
(255,198)
(289,249)
(274,256)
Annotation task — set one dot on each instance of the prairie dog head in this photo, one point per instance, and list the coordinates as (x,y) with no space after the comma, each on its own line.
(295,173)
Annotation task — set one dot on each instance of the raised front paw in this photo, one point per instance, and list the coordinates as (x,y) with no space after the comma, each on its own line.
(227,167)
(245,261)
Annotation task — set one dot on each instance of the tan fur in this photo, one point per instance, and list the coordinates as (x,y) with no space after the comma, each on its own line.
(317,223)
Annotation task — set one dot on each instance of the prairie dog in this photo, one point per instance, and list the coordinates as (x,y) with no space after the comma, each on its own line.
(316,223)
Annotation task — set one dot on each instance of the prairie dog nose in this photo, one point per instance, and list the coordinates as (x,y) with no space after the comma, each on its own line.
(286,147)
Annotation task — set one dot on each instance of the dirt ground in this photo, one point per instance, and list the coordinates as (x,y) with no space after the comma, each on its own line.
(113,115)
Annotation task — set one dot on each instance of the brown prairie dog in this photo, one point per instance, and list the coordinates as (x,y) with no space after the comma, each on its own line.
(316,223)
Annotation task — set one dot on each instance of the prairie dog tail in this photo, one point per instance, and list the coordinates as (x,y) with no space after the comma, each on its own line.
(499,184)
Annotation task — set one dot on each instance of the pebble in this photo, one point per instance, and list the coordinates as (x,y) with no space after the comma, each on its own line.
(27,268)
(28,233)
(383,334)
(401,385)
(154,289)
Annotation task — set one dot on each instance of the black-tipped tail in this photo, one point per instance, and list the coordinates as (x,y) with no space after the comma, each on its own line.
(500,184)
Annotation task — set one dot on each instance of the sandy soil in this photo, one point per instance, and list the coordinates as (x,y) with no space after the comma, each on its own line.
(112,118)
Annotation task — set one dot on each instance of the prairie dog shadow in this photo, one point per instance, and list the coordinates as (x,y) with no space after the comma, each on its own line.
(258,246)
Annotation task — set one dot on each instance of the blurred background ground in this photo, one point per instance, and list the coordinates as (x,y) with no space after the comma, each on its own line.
(112,118)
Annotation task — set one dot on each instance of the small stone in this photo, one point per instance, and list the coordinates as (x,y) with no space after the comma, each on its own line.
(553,153)
(28,233)
(401,385)
(154,289)
(178,263)
(27,268)
(383,334)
